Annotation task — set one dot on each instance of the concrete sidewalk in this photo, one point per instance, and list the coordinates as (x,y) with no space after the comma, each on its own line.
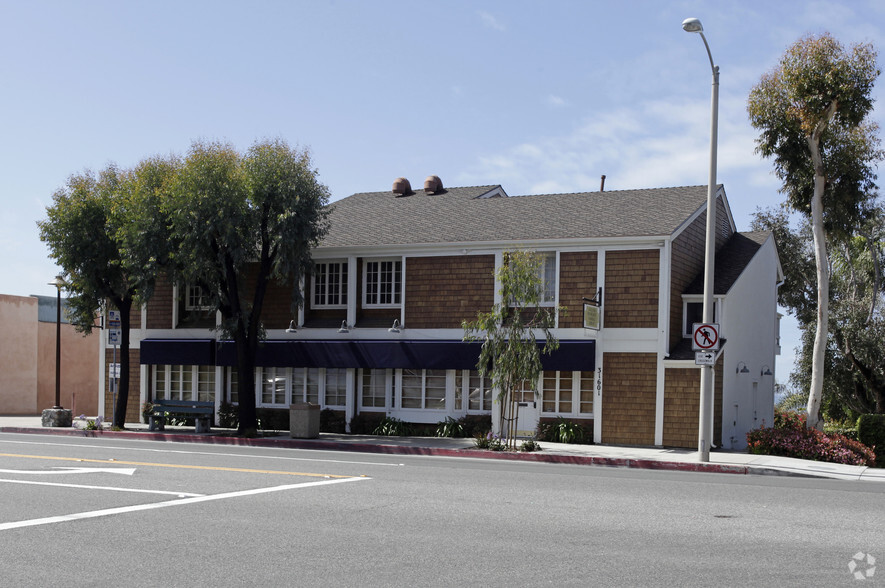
(604,455)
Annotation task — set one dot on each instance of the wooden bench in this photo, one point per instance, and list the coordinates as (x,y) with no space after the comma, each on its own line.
(201,411)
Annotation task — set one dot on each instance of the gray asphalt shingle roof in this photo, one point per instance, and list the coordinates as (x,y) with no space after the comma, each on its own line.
(731,260)
(459,215)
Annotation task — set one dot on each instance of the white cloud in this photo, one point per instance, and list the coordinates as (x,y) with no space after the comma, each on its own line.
(490,21)
(555,101)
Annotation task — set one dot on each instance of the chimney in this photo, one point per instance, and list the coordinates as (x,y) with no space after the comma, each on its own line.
(433,185)
(402,187)
(602,183)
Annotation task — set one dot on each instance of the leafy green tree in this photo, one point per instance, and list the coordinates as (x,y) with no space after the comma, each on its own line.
(232,216)
(510,354)
(105,233)
(854,375)
(812,113)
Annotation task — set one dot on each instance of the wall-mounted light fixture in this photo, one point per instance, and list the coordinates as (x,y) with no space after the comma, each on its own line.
(343,328)
(741,368)
(766,371)
(291,328)
(396,327)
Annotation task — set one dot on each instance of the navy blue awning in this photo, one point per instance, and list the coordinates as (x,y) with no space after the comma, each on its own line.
(408,354)
(178,351)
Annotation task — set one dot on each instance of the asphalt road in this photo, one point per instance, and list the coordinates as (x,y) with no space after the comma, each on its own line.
(78,512)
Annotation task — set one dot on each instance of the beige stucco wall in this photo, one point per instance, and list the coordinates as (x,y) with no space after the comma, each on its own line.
(18,355)
(27,362)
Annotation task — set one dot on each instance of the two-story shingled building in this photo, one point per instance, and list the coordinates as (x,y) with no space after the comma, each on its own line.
(398,272)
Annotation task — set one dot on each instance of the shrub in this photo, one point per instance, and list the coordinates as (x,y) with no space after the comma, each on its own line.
(449,428)
(474,424)
(529,445)
(332,421)
(365,423)
(392,427)
(790,438)
(228,416)
(562,431)
(273,419)
(490,442)
(871,432)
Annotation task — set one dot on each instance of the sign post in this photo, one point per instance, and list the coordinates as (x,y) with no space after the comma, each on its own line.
(114,334)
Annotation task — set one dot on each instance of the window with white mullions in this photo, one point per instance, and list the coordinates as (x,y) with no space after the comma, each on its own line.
(567,393)
(382,283)
(274,386)
(329,284)
(423,389)
(476,389)
(196,298)
(184,382)
(373,388)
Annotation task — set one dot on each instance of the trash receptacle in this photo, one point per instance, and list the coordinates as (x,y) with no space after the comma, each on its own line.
(304,420)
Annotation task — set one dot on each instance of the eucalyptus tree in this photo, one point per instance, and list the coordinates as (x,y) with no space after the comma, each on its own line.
(812,111)
(238,222)
(107,234)
(510,355)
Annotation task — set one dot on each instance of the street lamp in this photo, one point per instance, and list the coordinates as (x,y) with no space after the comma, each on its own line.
(59,283)
(705,421)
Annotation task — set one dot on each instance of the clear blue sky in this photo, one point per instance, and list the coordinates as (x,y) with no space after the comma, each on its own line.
(540,96)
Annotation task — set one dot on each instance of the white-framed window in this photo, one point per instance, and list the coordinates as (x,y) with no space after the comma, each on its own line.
(547,275)
(567,393)
(382,283)
(422,389)
(184,382)
(274,386)
(232,388)
(476,389)
(324,386)
(306,385)
(374,384)
(693,312)
(196,298)
(329,281)
(335,387)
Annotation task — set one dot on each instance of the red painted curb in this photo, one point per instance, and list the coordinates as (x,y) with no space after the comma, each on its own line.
(540,456)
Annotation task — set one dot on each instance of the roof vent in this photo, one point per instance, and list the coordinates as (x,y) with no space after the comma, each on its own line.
(402,187)
(602,183)
(433,185)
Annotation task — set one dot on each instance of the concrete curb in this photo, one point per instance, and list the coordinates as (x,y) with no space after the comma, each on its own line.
(540,456)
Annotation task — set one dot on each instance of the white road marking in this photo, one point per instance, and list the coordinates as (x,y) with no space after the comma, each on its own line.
(68,470)
(111,488)
(182,452)
(140,507)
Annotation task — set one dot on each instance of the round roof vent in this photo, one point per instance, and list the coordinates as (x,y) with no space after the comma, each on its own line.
(433,185)
(402,187)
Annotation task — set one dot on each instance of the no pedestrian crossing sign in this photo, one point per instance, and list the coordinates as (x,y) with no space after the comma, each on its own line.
(705,337)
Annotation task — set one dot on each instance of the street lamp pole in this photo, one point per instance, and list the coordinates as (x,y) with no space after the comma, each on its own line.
(58,283)
(705,420)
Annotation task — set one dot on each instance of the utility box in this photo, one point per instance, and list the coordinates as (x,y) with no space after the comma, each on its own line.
(304,420)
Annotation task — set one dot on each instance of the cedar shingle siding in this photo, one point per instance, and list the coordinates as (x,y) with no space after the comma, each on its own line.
(631,289)
(159,307)
(443,291)
(628,399)
(577,279)
(682,398)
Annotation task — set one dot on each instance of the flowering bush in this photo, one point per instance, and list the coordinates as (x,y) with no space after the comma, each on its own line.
(790,438)
(489,441)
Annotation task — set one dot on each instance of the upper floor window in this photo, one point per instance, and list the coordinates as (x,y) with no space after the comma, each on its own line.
(547,275)
(329,284)
(196,298)
(382,283)
(693,312)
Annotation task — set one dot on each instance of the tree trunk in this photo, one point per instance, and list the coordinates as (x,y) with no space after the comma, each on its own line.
(246,385)
(815,392)
(119,419)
